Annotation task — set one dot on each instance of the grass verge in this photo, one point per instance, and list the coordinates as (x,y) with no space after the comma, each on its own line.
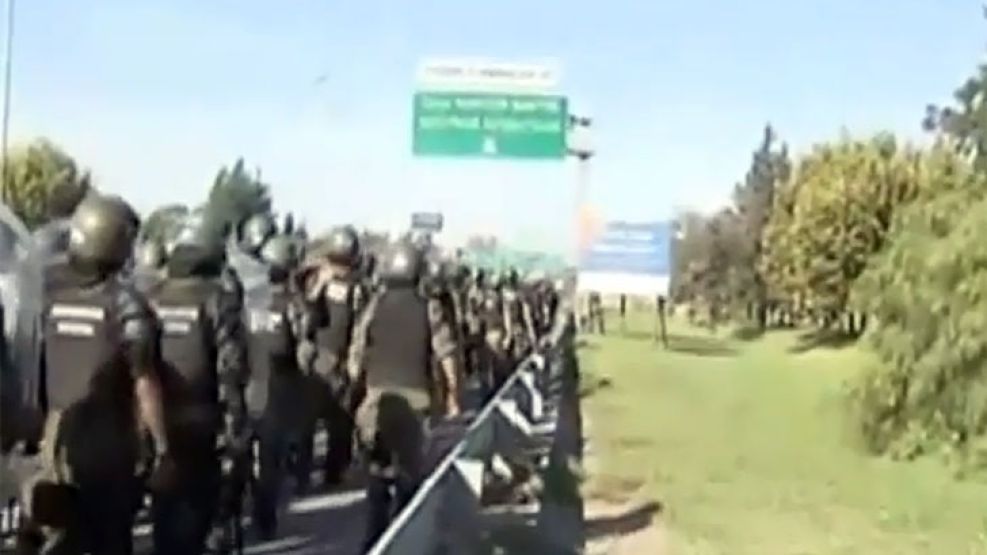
(744,446)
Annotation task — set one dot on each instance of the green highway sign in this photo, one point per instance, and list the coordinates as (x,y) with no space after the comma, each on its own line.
(490,125)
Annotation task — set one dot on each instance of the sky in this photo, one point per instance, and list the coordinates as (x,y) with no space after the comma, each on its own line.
(155,95)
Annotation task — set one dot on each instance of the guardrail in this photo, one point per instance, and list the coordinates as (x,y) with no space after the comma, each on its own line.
(519,422)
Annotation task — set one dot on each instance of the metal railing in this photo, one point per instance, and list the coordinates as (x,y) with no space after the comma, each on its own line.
(520,421)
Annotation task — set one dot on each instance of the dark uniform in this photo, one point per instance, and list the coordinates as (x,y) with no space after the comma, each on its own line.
(282,427)
(101,342)
(596,321)
(394,345)
(199,304)
(495,322)
(336,294)
(519,319)
(474,340)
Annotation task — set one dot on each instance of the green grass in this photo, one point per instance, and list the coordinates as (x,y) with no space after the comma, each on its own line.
(746,447)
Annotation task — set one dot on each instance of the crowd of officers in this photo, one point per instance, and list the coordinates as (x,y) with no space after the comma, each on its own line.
(172,372)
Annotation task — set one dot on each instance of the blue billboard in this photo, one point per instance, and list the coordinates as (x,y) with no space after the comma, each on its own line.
(631,248)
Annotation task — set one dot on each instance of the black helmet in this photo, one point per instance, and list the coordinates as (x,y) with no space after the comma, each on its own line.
(281,252)
(102,232)
(343,246)
(402,264)
(512,277)
(481,277)
(257,229)
(150,255)
(198,242)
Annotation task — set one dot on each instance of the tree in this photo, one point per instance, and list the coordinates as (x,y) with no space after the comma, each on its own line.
(164,223)
(926,291)
(753,200)
(833,215)
(966,122)
(235,196)
(43,183)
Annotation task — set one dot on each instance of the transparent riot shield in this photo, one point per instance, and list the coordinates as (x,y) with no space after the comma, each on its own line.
(257,298)
(21,296)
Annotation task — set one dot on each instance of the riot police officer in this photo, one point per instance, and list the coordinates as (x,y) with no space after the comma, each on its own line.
(203,346)
(336,293)
(496,359)
(520,325)
(395,342)
(101,346)
(282,426)
(596,321)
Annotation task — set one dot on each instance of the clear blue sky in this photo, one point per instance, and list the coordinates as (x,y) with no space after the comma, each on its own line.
(155,95)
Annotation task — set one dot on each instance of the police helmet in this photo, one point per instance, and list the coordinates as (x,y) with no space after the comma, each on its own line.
(402,264)
(102,232)
(150,255)
(256,230)
(281,252)
(512,277)
(481,277)
(343,246)
(198,242)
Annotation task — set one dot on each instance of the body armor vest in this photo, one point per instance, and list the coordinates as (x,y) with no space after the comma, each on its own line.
(83,345)
(335,337)
(188,347)
(277,333)
(399,342)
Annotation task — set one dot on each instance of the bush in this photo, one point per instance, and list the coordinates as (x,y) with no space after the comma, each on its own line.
(927,293)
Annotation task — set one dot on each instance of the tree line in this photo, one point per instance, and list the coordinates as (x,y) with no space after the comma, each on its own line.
(871,237)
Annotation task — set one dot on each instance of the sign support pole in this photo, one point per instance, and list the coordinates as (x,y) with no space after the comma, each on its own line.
(583,153)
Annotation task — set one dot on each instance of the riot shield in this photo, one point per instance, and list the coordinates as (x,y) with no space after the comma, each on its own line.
(21,296)
(257,297)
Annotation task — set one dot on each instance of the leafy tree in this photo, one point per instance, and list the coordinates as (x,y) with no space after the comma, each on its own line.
(235,196)
(966,122)
(833,215)
(927,294)
(43,183)
(164,223)
(753,200)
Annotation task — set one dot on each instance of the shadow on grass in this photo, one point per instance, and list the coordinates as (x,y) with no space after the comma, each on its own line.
(700,346)
(637,335)
(517,533)
(747,333)
(822,339)
(597,385)
(633,520)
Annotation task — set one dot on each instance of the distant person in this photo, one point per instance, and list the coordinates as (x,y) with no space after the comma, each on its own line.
(661,303)
(596,321)
(623,312)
